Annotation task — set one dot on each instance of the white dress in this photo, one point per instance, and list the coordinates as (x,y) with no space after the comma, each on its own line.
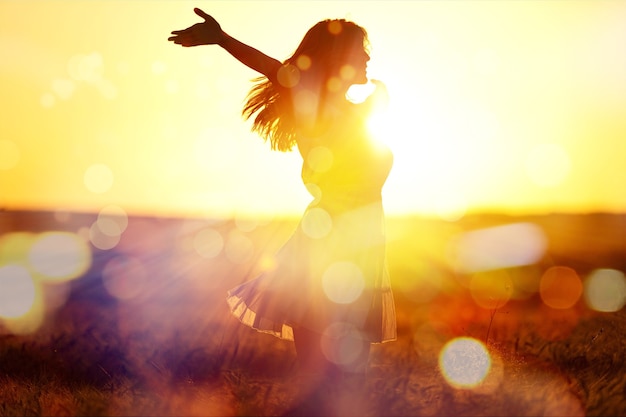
(333,268)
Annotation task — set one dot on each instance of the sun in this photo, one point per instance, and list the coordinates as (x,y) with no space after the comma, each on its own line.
(429,175)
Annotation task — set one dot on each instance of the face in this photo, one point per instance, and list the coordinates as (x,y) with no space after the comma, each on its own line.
(354,71)
(360,60)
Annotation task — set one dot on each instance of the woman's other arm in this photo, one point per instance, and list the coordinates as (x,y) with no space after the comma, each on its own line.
(209,32)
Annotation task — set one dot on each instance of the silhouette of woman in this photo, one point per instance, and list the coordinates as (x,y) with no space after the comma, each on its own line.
(329,290)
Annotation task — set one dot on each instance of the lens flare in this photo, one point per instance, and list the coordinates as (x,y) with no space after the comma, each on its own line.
(491,289)
(320,159)
(316,223)
(239,247)
(101,240)
(98,178)
(342,343)
(88,68)
(246,225)
(288,75)
(347,72)
(343,282)
(305,102)
(159,67)
(47,100)
(303,62)
(17,291)
(14,247)
(59,256)
(112,220)
(208,243)
(333,84)
(464,362)
(63,88)
(124,277)
(605,290)
(560,287)
(335,27)
(497,247)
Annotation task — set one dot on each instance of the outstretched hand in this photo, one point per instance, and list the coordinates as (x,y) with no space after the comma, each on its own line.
(208,32)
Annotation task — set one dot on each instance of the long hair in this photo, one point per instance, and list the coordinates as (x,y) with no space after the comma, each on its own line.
(320,54)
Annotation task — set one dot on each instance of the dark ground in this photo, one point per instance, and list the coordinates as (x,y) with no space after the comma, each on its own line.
(173,349)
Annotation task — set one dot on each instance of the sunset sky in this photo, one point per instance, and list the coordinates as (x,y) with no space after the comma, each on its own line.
(505,106)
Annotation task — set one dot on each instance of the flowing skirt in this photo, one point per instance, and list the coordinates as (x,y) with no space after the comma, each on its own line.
(331,272)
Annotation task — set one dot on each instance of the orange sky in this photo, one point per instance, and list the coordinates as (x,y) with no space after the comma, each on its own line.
(506,106)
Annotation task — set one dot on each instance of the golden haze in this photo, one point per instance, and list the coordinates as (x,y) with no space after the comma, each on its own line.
(510,106)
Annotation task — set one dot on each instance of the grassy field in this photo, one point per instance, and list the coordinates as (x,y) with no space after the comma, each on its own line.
(146,331)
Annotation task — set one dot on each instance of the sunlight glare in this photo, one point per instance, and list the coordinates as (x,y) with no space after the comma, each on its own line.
(491,289)
(316,223)
(305,102)
(320,159)
(98,178)
(246,224)
(14,247)
(59,256)
(358,93)
(343,282)
(486,62)
(239,247)
(158,67)
(172,86)
(112,220)
(494,378)
(450,206)
(208,243)
(426,282)
(101,240)
(303,62)
(497,247)
(342,343)
(288,75)
(107,89)
(9,155)
(347,72)
(62,215)
(124,277)
(605,290)
(464,362)
(47,100)
(560,287)
(63,88)
(87,68)
(17,291)
(548,165)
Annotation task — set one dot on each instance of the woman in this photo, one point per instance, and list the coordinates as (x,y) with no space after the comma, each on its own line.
(329,291)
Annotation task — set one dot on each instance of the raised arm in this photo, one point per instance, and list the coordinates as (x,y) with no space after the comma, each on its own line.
(209,32)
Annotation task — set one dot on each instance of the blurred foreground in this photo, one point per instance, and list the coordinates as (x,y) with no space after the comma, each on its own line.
(105,314)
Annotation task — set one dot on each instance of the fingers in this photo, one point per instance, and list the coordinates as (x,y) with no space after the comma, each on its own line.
(180,37)
(182,41)
(202,14)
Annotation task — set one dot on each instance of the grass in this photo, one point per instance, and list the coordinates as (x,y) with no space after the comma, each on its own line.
(97,373)
(175,350)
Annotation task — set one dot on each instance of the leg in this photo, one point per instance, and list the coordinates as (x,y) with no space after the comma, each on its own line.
(311,358)
(316,374)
